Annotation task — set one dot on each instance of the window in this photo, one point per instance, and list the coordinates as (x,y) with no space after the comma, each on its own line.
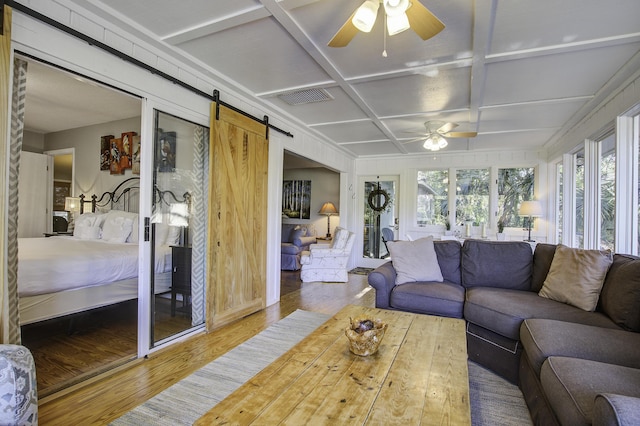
(579,197)
(433,197)
(559,204)
(472,196)
(607,193)
(514,186)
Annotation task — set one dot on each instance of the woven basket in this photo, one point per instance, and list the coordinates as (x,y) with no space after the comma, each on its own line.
(367,342)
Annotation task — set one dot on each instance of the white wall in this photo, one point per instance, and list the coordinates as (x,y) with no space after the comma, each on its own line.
(32,142)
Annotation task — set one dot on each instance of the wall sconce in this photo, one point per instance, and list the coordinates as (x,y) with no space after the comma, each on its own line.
(329,210)
(531,209)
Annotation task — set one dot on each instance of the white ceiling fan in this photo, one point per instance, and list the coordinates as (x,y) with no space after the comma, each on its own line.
(400,15)
(436,132)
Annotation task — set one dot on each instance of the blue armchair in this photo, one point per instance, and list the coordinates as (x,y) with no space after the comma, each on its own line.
(296,238)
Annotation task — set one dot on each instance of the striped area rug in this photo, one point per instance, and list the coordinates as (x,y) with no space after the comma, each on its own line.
(493,400)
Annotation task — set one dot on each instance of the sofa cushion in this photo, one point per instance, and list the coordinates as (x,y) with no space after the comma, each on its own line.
(572,384)
(415,260)
(576,276)
(542,338)
(620,297)
(432,298)
(497,264)
(616,410)
(448,253)
(542,258)
(503,310)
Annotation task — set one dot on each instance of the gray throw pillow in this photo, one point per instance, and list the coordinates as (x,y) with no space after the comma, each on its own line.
(415,260)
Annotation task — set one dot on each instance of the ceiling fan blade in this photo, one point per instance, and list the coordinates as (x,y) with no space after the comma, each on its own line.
(422,21)
(460,134)
(447,127)
(344,34)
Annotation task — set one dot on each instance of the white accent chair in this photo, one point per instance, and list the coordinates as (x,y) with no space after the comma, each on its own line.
(18,387)
(324,262)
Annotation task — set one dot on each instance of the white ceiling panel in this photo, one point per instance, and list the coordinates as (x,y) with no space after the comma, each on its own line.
(166,17)
(524,25)
(259,56)
(566,75)
(518,72)
(355,131)
(447,90)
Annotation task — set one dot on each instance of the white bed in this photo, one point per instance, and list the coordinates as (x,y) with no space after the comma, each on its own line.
(62,275)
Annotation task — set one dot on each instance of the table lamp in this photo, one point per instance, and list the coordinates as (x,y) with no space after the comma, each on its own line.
(328,209)
(531,209)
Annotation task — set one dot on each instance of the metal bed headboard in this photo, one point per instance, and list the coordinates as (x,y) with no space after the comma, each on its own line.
(126,195)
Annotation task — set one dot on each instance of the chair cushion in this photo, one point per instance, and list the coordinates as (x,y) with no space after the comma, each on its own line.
(432,298)
(576,276)
(542,338)
(571,386)
(448,253)
(620,297)
(497,264)
(542,258)
(618,410)
(415,260)
(502,310)
(289,248)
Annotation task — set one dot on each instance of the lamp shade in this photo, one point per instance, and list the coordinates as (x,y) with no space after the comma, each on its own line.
(72,204)
(530,208)
(328,209)
(395,7)
(397,24)
(365,16)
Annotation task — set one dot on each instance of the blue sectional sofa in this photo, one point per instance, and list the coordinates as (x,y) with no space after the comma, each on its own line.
(574,366)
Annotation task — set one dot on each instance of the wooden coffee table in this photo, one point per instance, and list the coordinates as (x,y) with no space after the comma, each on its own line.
(418,376)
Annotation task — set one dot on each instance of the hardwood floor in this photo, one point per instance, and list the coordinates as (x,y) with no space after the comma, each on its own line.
(105,398)
(72,349)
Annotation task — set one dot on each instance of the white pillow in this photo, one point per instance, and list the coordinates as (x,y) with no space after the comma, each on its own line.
(173,236)
(87,232)
(162,231)
(90,219)
(415,260)
(133,237)
(117,229)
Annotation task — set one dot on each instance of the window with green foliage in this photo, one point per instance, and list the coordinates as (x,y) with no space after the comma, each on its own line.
(607,194)
(433,197)
(472,196)
(514,186)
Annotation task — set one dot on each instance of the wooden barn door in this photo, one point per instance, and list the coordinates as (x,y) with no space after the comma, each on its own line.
(237,217)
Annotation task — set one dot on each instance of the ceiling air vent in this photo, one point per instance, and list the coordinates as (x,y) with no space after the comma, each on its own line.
(301,97)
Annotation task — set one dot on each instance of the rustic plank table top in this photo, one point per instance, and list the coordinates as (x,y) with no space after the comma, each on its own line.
(418,376)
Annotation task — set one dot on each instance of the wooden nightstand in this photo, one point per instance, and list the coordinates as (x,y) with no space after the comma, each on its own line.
(181,278)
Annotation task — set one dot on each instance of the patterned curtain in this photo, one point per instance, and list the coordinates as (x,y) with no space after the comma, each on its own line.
(17,127)
(199,204)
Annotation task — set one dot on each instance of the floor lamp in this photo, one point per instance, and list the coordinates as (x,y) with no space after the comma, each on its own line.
(531,209)
(329,210)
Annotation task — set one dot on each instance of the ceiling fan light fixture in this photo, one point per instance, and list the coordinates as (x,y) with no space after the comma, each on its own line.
(397,24)
(365,16)
(395,7)
(435,143)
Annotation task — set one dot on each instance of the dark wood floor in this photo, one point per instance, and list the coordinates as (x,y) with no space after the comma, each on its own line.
(74,348)
(108,396)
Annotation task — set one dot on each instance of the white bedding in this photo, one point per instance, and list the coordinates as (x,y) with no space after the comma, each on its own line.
(49,265)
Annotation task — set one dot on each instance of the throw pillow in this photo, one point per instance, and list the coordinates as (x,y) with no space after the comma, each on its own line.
(117,229)
(415,260)
(576,276)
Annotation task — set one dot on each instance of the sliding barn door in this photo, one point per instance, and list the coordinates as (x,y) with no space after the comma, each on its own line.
(237,217)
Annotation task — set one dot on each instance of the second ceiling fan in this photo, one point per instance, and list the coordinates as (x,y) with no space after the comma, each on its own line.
(436,131)
(400,15)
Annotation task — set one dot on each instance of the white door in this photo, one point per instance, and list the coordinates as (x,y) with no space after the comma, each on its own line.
(35,187)
(379,213)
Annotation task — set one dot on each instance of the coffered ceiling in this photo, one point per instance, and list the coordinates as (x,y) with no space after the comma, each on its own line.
(518,72)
